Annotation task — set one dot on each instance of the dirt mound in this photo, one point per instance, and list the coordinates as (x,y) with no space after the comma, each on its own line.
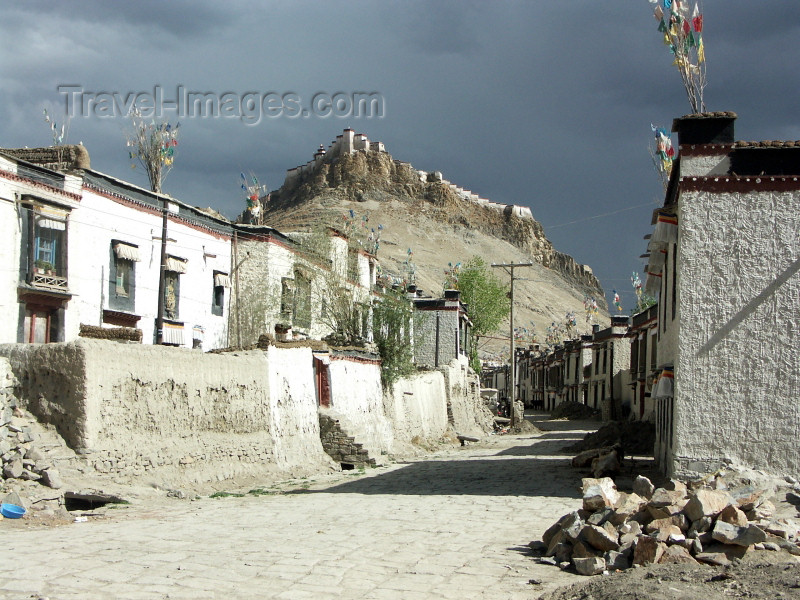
(635,438)
(760,575)
(573,411)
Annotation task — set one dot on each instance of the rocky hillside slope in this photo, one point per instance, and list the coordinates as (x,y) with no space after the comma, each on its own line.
(420,211)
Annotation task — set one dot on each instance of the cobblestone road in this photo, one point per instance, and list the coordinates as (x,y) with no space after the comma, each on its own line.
(452,526)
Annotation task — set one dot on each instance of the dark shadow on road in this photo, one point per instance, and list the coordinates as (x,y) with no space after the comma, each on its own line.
(530,466)
(475,477)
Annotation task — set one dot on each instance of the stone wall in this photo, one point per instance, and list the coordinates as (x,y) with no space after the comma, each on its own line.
(134,409)
(341,447)
(436,336)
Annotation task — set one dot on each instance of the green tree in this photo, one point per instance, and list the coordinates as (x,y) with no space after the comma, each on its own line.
(487,299)
(392,333)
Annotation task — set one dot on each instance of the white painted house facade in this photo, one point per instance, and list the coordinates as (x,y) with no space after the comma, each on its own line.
(728,328)
(85,248)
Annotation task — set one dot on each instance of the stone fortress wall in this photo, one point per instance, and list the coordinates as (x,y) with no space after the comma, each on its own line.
(350,142)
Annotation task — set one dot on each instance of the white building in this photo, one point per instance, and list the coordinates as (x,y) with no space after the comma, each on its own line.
(85,249)
(728,320)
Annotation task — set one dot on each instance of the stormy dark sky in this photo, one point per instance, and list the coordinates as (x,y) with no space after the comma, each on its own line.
(546,104)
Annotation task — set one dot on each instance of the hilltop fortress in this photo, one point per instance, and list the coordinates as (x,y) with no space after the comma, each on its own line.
(349,142)
(354,173)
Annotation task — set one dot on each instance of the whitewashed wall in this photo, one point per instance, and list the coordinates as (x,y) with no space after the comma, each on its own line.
(101,220)
(737,361)
(357,395)
(10,246)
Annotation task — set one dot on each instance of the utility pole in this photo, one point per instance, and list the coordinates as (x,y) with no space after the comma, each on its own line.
(161,273)
(509,268)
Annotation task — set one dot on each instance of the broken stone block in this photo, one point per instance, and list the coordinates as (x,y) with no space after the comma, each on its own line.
(765,510)
(676,555)
(581,550)
(52,479)
(589,566)
(658,524)
(713,558)
(664,512)
(29,475)
(555,540)
(737,536)
(643,487)
(728,550)
(676,485)
(629,532)
(648,550)
(616,561)
(699,526)
(599,538)
(628,505)
(14,498)
(746,497)
(662,497)
(572,526)
(783,528)
(600,516)
(676,537)
(734,516)
(706,503)
(606,464)
(13,469)
(34,454)
(562,552)
(771,546)
(696,547)
(666,532)
(599,493)
(552,530)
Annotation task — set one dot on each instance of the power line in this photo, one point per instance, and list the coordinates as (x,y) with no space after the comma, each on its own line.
(600,216)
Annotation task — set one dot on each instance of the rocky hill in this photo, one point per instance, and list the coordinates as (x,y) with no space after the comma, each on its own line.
(438,221)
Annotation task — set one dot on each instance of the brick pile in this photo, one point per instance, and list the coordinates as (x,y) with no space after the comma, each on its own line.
(616,530)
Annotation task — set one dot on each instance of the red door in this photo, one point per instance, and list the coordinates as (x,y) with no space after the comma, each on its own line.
(323,383)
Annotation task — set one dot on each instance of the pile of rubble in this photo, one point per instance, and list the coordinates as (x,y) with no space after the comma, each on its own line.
(574,411)
(21,458)
(616,530)
(637,438)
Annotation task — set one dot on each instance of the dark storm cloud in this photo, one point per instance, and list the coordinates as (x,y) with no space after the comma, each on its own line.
(546,104)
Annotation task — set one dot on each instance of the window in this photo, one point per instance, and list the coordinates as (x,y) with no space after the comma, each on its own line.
(171,294)
(172,285)
(287,297)
(301,316)
(47,230)
(122,276)
(221,281)
(124,272)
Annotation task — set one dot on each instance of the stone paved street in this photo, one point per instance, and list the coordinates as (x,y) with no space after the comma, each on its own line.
(453,526)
